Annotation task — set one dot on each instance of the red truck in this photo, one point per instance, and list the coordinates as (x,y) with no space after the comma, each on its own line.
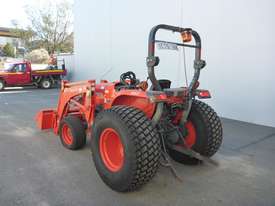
(21,74)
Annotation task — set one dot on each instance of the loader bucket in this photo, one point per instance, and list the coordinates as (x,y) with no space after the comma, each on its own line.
(45,119)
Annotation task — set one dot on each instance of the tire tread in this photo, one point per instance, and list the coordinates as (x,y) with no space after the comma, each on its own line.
(213,125)
(146,140)
(79,132)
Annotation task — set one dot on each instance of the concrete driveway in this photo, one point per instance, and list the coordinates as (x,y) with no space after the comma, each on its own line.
(36,170)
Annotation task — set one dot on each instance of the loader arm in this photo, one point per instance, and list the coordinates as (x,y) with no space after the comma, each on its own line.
(74,99)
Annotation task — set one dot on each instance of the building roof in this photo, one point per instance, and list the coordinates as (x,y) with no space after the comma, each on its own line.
(7,32)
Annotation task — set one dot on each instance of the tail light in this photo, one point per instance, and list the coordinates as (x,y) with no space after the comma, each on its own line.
(203,94)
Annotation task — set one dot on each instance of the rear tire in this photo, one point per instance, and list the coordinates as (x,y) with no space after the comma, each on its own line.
(208,130)
(2,85)
(46,83)
(138,158)
(72,133)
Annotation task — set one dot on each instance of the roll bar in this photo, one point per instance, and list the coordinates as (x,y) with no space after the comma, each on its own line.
(153,61)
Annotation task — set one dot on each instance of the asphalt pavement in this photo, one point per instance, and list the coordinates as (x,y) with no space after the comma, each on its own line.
(35,169)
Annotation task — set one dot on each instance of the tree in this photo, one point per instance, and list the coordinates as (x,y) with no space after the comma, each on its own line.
(8,50)
(51,26)
(25,35)
(68,45)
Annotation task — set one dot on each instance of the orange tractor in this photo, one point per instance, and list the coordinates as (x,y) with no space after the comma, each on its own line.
(134,129)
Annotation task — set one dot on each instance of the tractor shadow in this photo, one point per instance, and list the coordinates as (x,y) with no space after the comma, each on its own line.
(165,180)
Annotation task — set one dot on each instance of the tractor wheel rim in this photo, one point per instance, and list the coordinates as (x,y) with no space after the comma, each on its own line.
(67,135)
(191,137)
(111,149)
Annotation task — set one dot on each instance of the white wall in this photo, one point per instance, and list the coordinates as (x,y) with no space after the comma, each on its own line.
(69,64)
(238,45)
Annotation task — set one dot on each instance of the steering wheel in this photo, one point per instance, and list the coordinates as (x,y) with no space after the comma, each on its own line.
(128,76)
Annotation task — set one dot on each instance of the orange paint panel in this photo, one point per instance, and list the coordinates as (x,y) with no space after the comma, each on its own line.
(141,103)
(45,119)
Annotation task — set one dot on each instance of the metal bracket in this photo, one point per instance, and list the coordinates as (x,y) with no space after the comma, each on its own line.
(192,153)
(158,113)
(152,61)
(199,64)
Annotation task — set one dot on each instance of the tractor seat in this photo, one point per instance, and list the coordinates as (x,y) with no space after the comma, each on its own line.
(176,92)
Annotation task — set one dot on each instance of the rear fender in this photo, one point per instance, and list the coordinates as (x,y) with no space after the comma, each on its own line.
(137,100)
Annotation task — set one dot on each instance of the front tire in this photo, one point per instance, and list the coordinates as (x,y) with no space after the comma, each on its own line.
(72,133)
(204,133)
(125,148)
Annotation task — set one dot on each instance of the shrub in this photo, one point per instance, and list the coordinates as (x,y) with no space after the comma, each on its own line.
(38,56)
(8,50)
